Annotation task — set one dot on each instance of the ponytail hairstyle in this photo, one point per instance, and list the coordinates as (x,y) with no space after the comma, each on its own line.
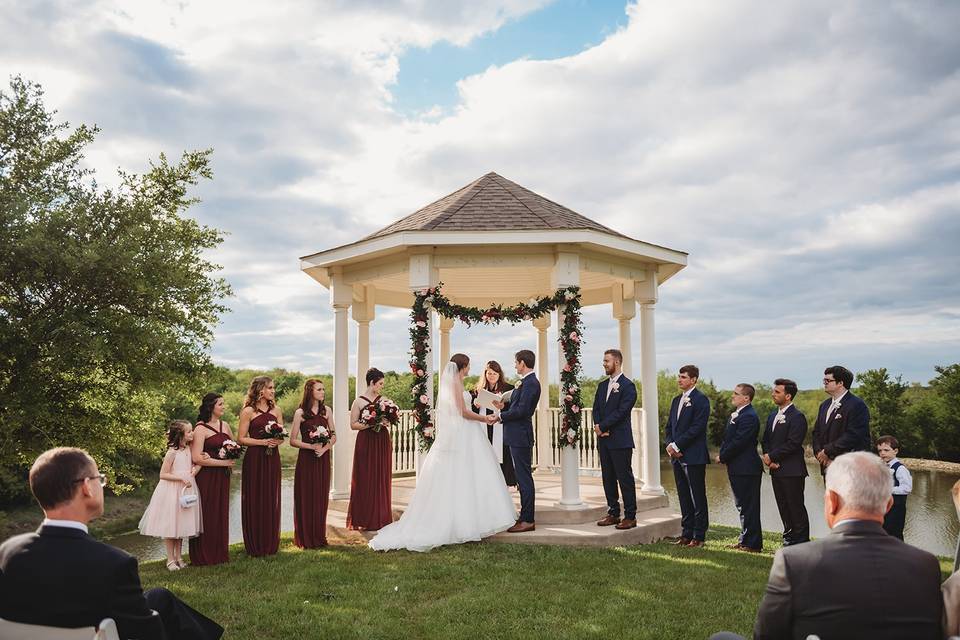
(205,412)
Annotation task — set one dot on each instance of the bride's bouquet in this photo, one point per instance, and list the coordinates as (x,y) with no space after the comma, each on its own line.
(229,450)
(319,435)
(382,413)
(273,431)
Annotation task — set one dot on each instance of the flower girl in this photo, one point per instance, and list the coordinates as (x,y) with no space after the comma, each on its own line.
(174,509)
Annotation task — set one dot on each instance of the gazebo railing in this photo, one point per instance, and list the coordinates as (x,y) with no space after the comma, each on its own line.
(404,442)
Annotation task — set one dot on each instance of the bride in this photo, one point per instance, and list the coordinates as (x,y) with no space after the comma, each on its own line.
(460,494)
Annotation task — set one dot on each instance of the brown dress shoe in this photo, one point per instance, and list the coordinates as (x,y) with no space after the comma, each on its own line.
(607,521)
(695,543)
(522,527)
(627,523)
(681,541)
(750,549)
(735,547)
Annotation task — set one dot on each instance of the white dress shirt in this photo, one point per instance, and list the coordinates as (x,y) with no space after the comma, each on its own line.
(683,400)
(610,382)
(903,476)
(781,411)
(69,524)
(834,405)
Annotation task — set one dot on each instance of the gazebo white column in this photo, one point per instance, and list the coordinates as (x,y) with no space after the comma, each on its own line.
(543,408)
(624,309)
(341,296)
(446,324)
(566,273)
(363,313)
(646,292)
(423,275)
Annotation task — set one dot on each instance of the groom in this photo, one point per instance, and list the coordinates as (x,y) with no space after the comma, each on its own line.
(518,435)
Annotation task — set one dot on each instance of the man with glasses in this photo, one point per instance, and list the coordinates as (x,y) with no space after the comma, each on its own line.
(61,577)
(843,421)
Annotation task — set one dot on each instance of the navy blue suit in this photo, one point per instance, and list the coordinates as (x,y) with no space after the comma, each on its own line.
(849,428)
(518,435)
(612,415)
(689,433)
(744,469)
(784,444)
(62,577)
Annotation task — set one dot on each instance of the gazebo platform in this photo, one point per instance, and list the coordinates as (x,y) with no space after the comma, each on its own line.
(577,527)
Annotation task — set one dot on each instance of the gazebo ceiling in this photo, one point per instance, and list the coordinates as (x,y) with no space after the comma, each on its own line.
(493,241)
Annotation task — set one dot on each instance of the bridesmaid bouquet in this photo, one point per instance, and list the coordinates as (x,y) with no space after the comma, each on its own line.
(273,431)
(380,414)
(320,435)
(230,450)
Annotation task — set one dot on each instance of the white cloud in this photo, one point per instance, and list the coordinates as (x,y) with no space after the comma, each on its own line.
(804,153)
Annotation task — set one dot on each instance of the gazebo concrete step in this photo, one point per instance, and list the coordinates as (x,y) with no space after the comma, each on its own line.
(652,525)
(547,511)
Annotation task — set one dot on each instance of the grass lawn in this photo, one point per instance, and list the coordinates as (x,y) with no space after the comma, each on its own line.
(481,591)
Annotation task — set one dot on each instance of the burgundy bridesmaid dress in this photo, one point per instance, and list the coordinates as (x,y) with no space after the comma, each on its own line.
(311,491)
(370,501)
(213,485)
(260,493)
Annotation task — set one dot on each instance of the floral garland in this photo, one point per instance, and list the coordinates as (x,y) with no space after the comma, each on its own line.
(570,340)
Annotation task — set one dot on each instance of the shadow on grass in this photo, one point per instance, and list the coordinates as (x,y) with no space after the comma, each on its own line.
(480,590)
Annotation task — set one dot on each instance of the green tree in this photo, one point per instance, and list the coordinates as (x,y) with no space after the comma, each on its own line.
(944,429)
(884,398)
(106,300)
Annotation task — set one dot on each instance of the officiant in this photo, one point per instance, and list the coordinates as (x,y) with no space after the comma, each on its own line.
(492,380)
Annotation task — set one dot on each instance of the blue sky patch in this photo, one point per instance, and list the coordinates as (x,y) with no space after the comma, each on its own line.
(428,77)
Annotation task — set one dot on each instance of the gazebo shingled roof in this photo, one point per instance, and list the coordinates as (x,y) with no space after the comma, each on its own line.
(492,203)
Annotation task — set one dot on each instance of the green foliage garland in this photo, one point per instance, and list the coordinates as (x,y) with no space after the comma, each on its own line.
(570,340)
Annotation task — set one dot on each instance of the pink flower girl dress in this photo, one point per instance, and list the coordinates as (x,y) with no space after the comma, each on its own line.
(165,517)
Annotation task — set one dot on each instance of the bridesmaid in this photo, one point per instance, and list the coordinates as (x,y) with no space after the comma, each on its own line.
(494,382)
(213,483)
(370,500)
(311,481)
(260,481)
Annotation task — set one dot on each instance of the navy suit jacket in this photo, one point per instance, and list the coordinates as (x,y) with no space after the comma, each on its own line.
(689,432)
(613,415)
(784,444)
(739,448)
(62,577)
(849,428)
(518,419)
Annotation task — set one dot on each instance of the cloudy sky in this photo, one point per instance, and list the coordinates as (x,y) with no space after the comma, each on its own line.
(806,154)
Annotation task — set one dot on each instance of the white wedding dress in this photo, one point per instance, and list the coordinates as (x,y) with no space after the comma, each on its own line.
(460,495)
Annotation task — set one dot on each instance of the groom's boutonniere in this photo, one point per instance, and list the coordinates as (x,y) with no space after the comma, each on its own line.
(687,402)
(781,418)
(614,387)
(517,386)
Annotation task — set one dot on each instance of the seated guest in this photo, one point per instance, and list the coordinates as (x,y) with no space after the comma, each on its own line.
(951,606)
(61,577)
(857,582)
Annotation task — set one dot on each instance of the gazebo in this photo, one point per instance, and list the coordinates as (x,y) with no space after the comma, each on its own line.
(496,242)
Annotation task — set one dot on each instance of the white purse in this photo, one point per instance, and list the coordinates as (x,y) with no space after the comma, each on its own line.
(187,500)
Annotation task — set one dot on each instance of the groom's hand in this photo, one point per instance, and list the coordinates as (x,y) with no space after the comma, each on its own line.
(492,419)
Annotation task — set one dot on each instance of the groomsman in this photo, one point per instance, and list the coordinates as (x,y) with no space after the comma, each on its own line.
(687,435)
(843,422)
(612,407)
(783,454)
(744,468)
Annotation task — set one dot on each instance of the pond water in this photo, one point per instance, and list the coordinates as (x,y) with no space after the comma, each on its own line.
(931,520)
